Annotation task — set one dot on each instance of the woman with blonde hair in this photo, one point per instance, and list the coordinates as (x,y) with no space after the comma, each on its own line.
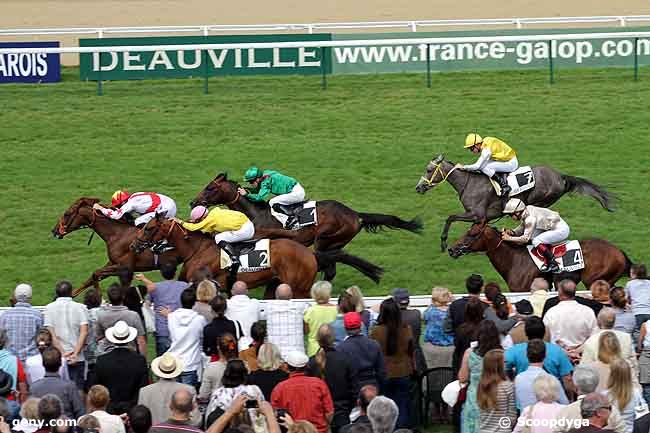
(600,292)
(496,395)
(356,296)
(269,369)
(622,393)
(323,312)
(609,349)
(547,392)
(205,292)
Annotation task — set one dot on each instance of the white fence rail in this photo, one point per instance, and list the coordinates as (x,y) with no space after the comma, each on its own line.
(413,26)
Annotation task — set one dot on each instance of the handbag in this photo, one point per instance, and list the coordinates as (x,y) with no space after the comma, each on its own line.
(147,313)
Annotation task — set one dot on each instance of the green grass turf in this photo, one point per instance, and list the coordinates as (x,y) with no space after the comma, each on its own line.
(364,141)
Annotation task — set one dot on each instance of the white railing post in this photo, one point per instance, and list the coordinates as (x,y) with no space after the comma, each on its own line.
(100,33)
(310,28)
(205,31)
(518,23)
(622,20)
(414,26)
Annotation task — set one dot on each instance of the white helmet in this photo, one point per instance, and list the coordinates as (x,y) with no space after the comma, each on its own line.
(514,205)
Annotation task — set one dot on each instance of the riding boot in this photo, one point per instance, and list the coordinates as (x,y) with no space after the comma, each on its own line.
(291,222)
(234,267)
(547,252)
(502,180)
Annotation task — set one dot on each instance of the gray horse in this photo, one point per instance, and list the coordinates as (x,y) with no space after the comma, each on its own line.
(481,202)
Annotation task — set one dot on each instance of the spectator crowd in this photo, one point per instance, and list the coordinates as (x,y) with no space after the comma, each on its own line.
(224,362)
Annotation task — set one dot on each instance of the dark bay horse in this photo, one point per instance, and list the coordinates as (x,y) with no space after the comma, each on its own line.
(481,202)
(291,262)
(117,235)
(603,261)
(337,223)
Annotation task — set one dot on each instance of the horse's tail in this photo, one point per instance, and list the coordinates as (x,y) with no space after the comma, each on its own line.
(326,259)
(579,185)
(374,222)
(628,263)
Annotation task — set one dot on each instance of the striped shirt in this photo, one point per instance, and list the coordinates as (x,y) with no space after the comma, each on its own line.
(492,421)
(22,323)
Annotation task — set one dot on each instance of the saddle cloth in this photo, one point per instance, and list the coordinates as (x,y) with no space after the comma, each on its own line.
(253,258)
(519,181)
(304,212)
(568,256)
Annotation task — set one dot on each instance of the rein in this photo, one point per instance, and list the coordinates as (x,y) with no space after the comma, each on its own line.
(235,200)
(63,227)
(430,181)
(465,247)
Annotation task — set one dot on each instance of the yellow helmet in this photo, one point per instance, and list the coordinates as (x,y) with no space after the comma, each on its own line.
(472,140)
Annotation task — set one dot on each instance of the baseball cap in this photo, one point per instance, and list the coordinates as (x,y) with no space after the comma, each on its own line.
(352,320)
(23,291)
(296,359)
(401,296)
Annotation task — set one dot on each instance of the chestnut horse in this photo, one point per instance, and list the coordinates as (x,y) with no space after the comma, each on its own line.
(337,224)
(118,235)
(603,261)
(291,262)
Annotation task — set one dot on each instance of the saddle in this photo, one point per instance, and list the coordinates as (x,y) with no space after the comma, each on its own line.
(519,181)
(288,209)
(244,247)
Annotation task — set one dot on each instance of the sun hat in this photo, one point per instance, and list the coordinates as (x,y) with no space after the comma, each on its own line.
(167,366)
(296,359)
(121,333)
(23,291)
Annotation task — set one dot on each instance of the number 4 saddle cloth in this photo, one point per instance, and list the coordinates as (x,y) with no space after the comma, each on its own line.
(568,256)
(519,181)
(254,256)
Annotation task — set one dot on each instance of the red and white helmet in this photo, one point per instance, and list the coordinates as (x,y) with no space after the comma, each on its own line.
(119,197)
(198,213)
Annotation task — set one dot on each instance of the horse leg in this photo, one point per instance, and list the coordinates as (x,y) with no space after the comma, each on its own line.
(269,291)
(108,270)
(466,217)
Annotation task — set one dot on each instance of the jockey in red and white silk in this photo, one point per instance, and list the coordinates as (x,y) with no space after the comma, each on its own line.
(145,204)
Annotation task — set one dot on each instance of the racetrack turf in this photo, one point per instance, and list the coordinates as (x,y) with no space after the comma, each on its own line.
(364,141)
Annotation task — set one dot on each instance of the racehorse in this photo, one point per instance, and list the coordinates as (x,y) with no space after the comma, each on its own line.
(290,261)
(117,235)
(481,202)
(336,225)
(602,260)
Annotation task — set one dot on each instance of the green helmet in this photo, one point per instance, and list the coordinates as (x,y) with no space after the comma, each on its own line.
(252,174)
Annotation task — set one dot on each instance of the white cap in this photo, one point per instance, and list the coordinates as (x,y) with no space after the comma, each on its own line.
(23,291)
(296,359)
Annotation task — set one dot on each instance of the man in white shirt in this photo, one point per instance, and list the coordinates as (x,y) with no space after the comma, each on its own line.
(96,404)
(284,321)
(186,334)
(570,323)
(244,310)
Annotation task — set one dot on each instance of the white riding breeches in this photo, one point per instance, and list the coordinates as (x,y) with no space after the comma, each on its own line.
(558,234)
(169,209)
(492,167)
(245,233)
(296,195)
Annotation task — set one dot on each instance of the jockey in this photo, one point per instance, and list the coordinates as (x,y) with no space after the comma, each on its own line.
(145,204)
(543,226)
(287,191)
(230,226)
(496,157)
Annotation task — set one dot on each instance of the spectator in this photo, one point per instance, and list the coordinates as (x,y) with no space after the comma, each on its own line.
(284,321)
(638,294)
(92,301)
(457,309)
(470,373)
(205,292)
(67,321)
(345,305)
(570,334)
(555,300)
(336,370)
(219,326)
(396,340)
(320,314)
(524,382)
(186,330)
(34,369)
(181,406)
(538,295)
(622,392)
(413,318)
(249,355)
(157,395)
(467,332)
(496,395)
(121,370)
(556,362)
(90,423)
(165,295)
(134,297)
(213,373)
(244,310)
(96,404)
(608,349)
(109,315)
(28,416)
(600,292)
(233,384)
(547,392)
(11,364)
(518,332)
(305,398)
(53,384)
(585,381)
(595,408)
(359,306)
(383,414)
(22,322)
(364,353)
(499,309)
(139,419)
(366,395)
(438,347)
(241,419)
(590,350)
(269,373)
(625,320)
(13,408)
(50,408)
(644,360)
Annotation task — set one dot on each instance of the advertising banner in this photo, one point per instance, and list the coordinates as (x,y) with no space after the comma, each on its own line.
(32,67)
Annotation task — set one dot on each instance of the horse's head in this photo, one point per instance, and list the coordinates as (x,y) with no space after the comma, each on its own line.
(432,176)
(154,232)
(477,239)
(79,215)
(219,191)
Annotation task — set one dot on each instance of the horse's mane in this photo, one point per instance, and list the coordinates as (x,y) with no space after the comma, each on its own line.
(261,205)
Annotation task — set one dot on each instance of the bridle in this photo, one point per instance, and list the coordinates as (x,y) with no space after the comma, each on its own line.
(438,170)
(63,221)
(141,244)
(465,247)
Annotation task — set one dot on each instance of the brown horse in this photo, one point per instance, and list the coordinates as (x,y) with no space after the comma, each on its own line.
(337,223)
(603,261)
(290,262)
(117,235)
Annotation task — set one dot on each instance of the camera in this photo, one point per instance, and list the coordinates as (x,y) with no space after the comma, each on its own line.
(251,404)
